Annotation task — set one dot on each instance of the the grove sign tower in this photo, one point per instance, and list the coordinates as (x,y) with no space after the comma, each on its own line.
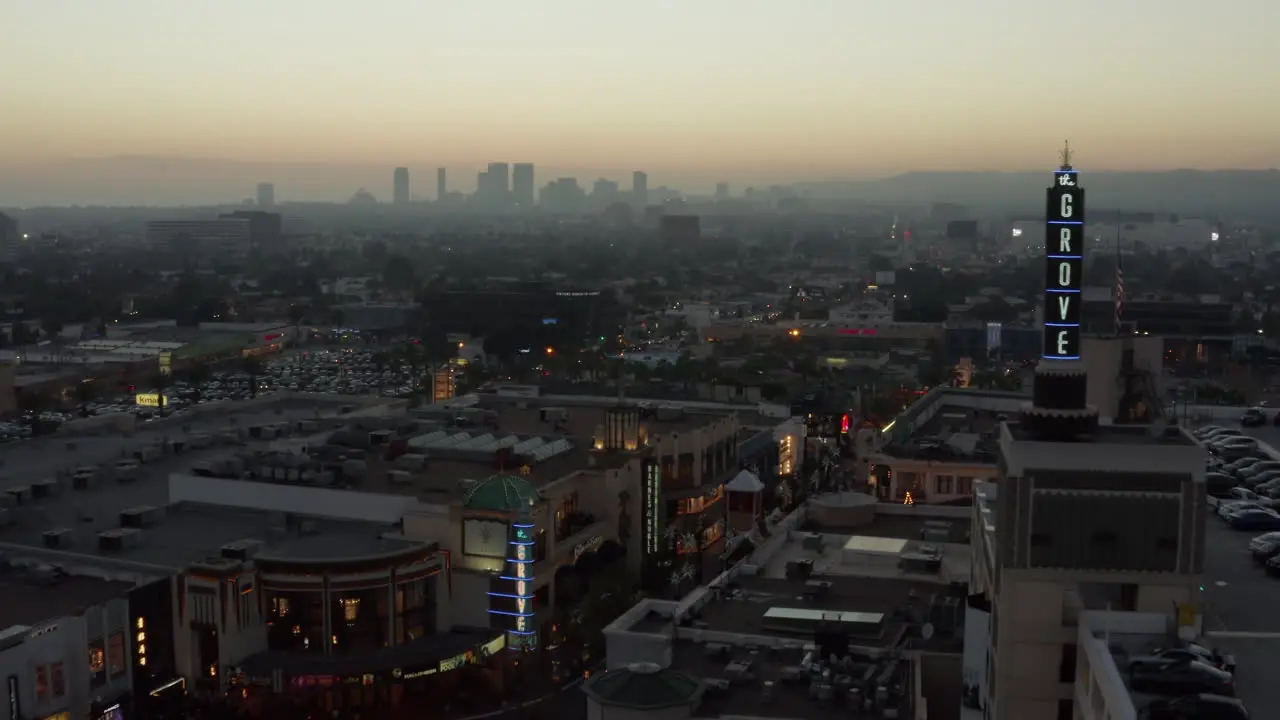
(1059,409)
(1064,255)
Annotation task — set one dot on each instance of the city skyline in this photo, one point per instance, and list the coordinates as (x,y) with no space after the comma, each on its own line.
(836,92)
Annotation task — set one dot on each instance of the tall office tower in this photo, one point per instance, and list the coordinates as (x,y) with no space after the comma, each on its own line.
(266,195)
(522,184)
(604,193)
(722,191)
(442,185)
(640,189)
(499,182)
(401,183)
(1084,517)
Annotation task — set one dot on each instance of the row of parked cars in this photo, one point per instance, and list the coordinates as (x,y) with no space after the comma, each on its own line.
(1192,681)
(1243,477)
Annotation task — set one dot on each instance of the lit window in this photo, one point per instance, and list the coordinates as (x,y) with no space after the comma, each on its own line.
(42,683)
(116,653)
(97,660)
(57,677)
(350,608)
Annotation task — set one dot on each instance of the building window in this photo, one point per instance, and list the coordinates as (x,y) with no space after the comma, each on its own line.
(58,679)
(42,683)
(964,485)
(945,484)
(115,653)
(350,609)
(97,663)
(1066,709)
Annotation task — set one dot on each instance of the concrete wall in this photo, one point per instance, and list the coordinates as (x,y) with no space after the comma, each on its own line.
(941,684)
(319,502)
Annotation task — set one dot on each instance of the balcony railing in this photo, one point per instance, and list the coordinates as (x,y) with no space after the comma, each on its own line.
(572,524)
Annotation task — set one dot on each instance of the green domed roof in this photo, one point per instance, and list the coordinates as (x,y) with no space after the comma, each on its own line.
(501,493)
(643,686)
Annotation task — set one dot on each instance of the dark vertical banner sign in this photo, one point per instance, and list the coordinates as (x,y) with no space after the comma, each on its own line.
(1064,263)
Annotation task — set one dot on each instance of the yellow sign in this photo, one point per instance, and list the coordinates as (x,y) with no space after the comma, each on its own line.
(150,399)
(1187,613)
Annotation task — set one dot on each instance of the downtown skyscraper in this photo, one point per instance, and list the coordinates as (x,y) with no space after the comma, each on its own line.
(522,187)
(400,186)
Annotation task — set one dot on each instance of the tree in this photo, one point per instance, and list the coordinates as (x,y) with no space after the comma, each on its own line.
(198,374)
(86,391)
(252,366)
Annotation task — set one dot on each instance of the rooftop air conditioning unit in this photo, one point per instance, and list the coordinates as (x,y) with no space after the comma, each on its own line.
(241,549)
(58,539)
(141,517)
(119,540)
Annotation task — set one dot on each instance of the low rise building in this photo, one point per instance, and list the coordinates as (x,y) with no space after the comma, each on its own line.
(818,619)
(68,648)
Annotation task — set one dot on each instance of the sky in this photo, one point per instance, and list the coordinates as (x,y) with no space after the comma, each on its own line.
(730,89)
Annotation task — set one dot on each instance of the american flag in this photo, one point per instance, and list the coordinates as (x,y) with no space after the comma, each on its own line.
(1119,289)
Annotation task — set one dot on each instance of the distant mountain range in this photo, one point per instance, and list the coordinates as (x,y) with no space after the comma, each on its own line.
(1243,193)
(136,180)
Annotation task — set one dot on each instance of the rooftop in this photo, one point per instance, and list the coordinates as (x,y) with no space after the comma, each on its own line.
(1112,449)
(33,595)
(44,496)
(960,425)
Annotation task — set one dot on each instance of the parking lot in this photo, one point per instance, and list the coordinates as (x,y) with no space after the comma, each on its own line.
(347,371)
(1242,605)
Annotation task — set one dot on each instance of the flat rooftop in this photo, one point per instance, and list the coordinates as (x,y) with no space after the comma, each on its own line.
(952,424)
(905,527)
(187,533)
(1167,436)
(467,451)
(35,596)
(904,604)
(789,697)
(190,532)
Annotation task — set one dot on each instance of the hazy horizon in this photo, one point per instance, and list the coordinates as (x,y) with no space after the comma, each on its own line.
(748,91)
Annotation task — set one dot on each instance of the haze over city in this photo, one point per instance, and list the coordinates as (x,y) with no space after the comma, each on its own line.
(745,92)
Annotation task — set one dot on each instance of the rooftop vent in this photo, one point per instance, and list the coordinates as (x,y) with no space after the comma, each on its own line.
(45,488)
(119,539)
(58,539)
(241,549)
(141,516)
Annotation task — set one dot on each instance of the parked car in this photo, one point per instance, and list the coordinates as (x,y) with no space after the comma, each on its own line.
(1196,707)
(1253,417)
(1182,679)
(1219,484)
(1233,447)
(1178,655)
(1254,519)
(1205,430)
(1265,546)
